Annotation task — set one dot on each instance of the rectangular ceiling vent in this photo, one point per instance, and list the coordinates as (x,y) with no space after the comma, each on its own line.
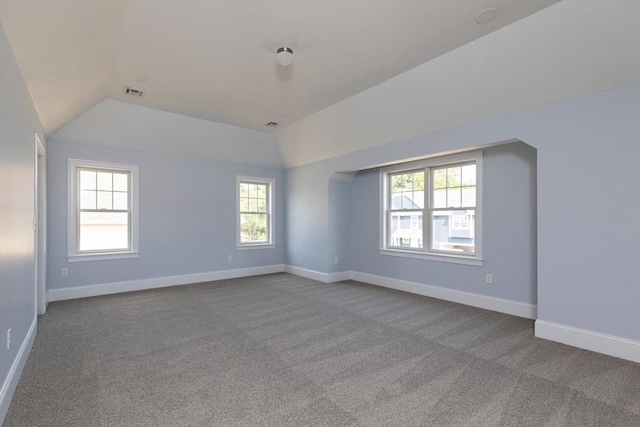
(273,124)
(133,92)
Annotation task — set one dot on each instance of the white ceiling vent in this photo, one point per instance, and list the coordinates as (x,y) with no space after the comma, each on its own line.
(133,92)
(273,124)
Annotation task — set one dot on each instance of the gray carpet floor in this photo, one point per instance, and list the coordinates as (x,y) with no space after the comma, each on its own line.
(282,350)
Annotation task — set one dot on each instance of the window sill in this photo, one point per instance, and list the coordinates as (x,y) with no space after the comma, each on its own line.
(249,247)
(101,256)
(475,261)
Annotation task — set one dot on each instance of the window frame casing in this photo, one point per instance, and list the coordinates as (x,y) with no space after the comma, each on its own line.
(425,252)
(270,182)
(73,211)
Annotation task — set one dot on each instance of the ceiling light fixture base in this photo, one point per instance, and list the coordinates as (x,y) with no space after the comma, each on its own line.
(284,56)
(487,15)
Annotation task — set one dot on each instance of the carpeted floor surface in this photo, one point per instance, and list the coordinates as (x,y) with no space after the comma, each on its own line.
(282,350)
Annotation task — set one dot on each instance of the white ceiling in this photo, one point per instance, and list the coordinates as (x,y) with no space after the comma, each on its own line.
(215,60)
(573,48)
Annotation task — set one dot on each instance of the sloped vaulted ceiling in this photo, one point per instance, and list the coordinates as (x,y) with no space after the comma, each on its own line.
(215,60)
(573,48)
(66,51)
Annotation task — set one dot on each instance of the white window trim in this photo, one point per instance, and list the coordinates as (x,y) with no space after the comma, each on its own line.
(72,182)
(271,197)
(475,259)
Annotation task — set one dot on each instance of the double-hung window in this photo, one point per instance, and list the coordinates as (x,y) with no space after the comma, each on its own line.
(432,209)
(103,218)
(254,213)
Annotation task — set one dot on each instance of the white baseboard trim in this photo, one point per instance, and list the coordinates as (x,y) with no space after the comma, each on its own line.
(316,275)
(158,282)
(513,308)
(339,276)
(589,340)
(11,382)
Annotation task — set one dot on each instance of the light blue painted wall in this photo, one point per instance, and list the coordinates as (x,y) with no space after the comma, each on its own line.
(509,243)
(18,122)
(340,195)
(186,215)
(588,150)
(307,227)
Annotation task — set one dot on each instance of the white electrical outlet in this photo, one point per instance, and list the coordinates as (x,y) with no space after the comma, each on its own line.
(64,272)
(230,258)
(9,339)
(488,278)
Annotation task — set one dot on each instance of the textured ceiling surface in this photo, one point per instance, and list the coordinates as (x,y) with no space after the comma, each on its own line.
(215,60)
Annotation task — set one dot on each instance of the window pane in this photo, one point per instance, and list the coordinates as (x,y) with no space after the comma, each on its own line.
(405,230)
(253,190)
(396,200)
(120,182)
(400,183)
(407,190)
(408,200)
(105,181)
(453,197)
(401,200)
(469,175)
(104,200)
(244,189)
(440,198)
(253,228)
(453,231)
(87,199)
(244,204)
(417,200)
(87,180)
(407,182)
(469,196)
(103,231)
(396,183)
(253,205)
(120,201)
(418,181)
(440,178)
(453,176)
(262,191)
(262,205)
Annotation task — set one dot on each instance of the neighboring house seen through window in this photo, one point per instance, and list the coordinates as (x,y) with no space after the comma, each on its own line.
(432,209)
(102,211)
(255,213)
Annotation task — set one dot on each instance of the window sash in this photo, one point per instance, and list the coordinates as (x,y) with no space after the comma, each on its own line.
(128,248)
(267,233)
(80,210)
(267,212)
(389,236)
(472,225)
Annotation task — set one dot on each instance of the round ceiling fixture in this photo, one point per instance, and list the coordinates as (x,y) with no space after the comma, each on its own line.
(487,15)
(284,56)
